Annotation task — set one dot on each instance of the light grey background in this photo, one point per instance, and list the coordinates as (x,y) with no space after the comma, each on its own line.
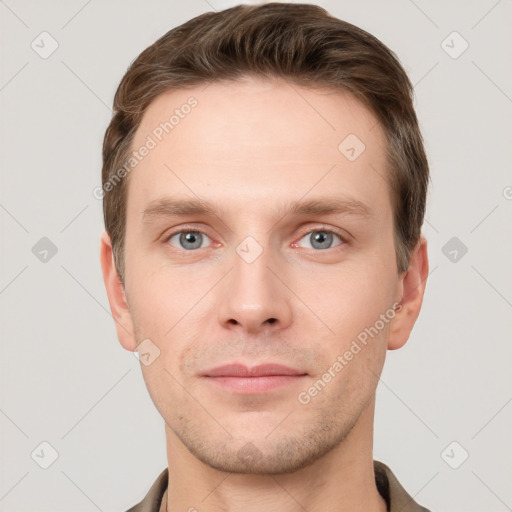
(64,377)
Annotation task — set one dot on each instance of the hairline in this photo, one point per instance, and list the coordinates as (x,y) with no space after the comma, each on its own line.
(390,167)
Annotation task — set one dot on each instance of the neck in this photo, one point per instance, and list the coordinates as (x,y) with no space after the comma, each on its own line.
(342,480)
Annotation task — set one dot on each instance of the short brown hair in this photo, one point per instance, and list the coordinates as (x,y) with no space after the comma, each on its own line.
(302,43)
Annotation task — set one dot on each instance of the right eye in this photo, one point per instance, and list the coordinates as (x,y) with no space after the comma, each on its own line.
(188,239)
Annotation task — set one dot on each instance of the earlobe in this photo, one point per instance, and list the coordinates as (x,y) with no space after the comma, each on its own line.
(412,286)
(116,296)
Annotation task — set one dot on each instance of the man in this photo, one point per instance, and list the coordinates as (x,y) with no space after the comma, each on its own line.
(265,181)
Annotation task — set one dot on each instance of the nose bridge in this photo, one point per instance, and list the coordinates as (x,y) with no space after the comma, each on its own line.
(252,296)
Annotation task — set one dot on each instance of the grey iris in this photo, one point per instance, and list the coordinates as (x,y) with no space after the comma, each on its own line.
(321,238)
(193,238)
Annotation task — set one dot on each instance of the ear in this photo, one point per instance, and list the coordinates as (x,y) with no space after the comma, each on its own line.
(116,296)
(411,289)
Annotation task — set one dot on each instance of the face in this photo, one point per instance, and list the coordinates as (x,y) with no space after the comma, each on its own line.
(259,232)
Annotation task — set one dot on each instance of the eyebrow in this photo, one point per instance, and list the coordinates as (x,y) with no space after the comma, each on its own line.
(169,207)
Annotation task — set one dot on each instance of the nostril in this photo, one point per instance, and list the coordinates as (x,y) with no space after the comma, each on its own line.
(271,320)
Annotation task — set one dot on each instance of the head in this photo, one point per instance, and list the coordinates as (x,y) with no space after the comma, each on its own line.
(264,184)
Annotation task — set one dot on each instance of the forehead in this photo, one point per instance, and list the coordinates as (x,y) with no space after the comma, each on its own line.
(254,137)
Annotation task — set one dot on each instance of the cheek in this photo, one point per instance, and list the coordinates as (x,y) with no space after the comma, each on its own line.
(160,298)
(351,298)
(166,308)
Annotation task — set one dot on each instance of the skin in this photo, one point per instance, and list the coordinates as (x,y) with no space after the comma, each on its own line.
(251,148)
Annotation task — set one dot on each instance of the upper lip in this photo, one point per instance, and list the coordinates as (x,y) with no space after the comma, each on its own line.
(241,370)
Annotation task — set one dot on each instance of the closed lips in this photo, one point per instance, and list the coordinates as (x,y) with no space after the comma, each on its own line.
(263,370)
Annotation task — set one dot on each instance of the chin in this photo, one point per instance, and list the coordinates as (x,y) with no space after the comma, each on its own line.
(265,454)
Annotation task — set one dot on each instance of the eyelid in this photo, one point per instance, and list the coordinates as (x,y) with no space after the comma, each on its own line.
(326,229)
(184,229)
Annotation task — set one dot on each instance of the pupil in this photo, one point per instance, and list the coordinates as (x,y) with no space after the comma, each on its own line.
(322,240)
(190,240)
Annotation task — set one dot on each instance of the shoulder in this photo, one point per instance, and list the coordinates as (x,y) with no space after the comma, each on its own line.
(392,491)
(153,498)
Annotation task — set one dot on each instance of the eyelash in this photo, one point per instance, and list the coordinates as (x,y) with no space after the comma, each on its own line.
(322,229)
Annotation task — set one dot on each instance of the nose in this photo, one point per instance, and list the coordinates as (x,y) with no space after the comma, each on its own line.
(252,298)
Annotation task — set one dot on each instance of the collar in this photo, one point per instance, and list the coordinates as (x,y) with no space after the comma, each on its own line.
(396,497)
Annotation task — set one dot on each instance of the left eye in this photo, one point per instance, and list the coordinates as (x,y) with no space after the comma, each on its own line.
(321,239)
(189,240)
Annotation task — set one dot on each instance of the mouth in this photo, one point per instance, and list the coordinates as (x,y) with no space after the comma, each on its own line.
(240,379)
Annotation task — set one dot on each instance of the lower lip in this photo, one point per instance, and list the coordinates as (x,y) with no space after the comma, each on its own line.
(252,385)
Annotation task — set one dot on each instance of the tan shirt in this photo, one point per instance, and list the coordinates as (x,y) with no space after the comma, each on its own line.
(388,486)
